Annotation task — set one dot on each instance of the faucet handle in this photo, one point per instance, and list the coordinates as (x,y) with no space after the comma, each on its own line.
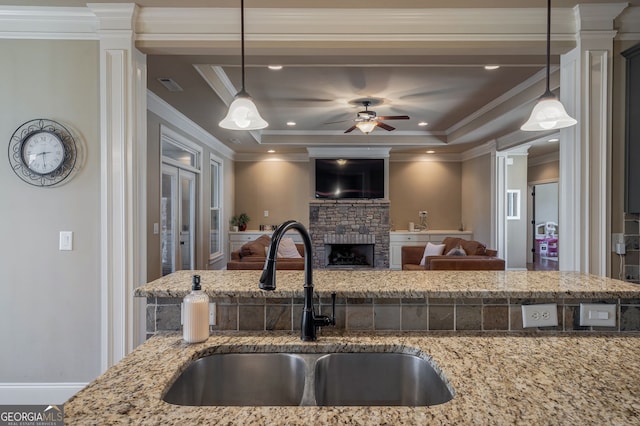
(324,320)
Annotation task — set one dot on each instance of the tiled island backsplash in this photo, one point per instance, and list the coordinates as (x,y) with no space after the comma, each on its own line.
(383,301)
(389,314)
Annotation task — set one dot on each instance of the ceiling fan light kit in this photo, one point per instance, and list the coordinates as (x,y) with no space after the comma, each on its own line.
(243,113)
(366,127)
(549,113)
(368,120)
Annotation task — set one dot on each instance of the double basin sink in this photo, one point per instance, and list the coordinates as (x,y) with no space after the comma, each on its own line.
(294,379)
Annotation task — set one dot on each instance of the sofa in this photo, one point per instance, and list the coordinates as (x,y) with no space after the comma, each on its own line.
(476,257)
(252,256)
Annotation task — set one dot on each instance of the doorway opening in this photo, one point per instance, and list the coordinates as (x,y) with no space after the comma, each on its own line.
(543,236)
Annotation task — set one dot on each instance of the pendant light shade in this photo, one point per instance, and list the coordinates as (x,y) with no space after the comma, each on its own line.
(243,113)
(549,113)
(366,127)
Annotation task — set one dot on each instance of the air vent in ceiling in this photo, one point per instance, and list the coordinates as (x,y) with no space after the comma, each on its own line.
(171,85)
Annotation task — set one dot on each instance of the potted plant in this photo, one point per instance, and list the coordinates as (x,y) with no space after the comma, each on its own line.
(240,221)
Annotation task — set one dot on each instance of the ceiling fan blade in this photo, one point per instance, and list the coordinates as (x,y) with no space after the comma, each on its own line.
(394,117)
(350,129)
(334,122)
(385,126)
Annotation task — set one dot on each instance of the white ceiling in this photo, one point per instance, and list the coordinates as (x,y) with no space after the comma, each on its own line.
(421,59)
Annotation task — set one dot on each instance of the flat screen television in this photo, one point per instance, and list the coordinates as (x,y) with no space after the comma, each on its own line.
(350,178)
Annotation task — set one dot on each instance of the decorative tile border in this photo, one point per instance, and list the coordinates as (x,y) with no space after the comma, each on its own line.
(390,314)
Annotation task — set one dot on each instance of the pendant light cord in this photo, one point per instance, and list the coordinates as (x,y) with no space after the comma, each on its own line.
(242,39)
(548,43)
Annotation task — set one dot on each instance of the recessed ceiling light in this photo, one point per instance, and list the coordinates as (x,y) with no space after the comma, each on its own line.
(271,151)
(491,67)
(291,123)
(275,67)
(554,140)
(431,151)
(423,123)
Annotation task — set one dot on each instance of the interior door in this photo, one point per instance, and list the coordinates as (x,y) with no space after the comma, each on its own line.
(177,219)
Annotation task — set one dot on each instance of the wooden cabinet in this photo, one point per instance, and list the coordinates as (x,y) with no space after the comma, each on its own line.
(397,239)
(237,239)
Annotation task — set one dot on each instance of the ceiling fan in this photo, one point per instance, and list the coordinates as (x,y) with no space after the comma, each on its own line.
(368,120)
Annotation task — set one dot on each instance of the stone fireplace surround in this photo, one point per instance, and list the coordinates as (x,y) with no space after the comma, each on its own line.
(349,222)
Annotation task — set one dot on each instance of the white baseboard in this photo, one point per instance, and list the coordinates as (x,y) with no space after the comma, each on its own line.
(38,393)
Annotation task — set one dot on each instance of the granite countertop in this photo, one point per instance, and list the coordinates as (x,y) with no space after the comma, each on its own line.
(497,379)
(403,284)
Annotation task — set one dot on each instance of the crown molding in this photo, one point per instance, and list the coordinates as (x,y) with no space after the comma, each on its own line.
(544,159)
(484,149)
(158,106)
(455,24)
(351,152)
(291,157)
(50,23)
(309,24)
(597,16)
(439,158)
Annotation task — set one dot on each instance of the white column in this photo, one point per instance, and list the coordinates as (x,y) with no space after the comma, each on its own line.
(499,166)
(585,151)
(123,167)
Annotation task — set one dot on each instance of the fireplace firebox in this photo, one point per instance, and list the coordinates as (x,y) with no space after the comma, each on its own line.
(352,255)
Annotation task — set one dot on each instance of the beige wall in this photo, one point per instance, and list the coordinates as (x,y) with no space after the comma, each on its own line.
(476,198)
(425,185)
(547,172)
(281,187)
(413,186)
(50,299)
(517,228)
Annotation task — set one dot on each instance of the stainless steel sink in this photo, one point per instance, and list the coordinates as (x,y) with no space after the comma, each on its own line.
(257,379)
(378,379)
(241,379)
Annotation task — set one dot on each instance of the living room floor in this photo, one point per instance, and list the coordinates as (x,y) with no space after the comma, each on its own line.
(543,263)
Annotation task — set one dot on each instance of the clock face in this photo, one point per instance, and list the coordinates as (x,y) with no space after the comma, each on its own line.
(43,152)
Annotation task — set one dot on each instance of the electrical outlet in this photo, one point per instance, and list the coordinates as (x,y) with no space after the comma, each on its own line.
(599,314)
(545,315)
(615,240)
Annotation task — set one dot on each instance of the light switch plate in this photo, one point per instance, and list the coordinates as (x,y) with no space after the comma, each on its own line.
(544,315)
(66,240)
(598,314)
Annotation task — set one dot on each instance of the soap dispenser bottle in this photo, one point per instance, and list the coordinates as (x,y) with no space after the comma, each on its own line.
(195,327)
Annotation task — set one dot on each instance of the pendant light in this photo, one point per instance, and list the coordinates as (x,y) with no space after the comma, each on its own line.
(243,114)
(549,113)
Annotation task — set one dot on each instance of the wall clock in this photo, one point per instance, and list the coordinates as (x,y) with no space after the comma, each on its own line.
(42,152)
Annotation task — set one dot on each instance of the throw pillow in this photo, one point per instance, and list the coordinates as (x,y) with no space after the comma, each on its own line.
(458,251)
(431,250)
(287,249)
